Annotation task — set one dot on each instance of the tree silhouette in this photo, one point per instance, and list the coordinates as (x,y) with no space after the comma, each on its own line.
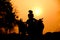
(7,17)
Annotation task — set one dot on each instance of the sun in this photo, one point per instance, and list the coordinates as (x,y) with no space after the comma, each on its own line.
(37,11)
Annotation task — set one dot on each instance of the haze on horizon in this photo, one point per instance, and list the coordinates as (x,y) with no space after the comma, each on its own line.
(49,11)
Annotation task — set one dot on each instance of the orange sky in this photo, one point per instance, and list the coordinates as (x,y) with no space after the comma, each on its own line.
(49,10)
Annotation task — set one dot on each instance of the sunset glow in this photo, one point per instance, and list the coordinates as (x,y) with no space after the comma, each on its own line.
(49,10)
